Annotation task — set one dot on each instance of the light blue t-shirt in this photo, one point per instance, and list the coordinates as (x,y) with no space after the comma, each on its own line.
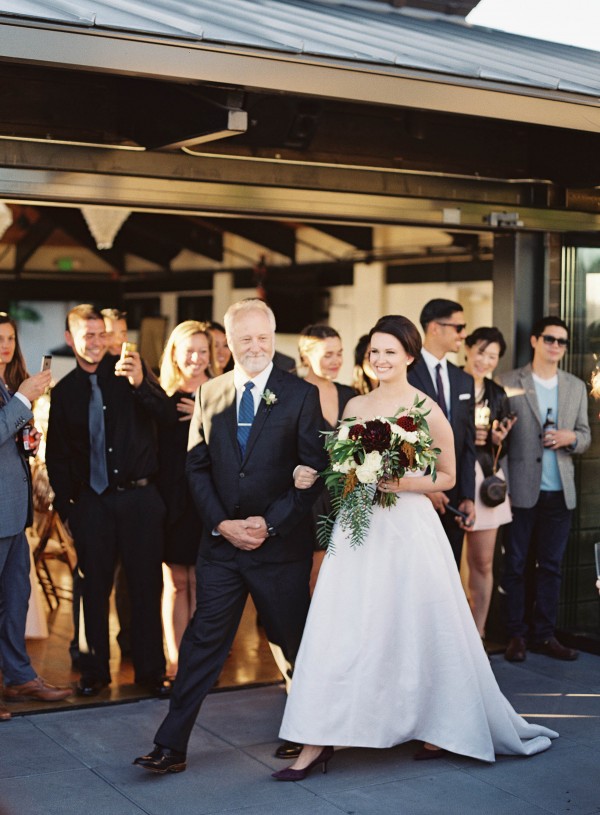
(548,398)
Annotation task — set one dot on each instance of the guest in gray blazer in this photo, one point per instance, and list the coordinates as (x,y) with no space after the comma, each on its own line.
(552,425)
(17,392)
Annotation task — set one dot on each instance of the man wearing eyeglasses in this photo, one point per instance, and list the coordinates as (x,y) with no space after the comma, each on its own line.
(444,325)
(551,406)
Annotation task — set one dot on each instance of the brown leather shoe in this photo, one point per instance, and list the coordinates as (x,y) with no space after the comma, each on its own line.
(515,651)
(37,690)
(552,648)
(4,713)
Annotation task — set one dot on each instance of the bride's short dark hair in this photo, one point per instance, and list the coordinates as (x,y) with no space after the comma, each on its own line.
(403,329)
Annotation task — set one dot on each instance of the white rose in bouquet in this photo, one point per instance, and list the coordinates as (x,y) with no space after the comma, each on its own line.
(343,432)
(410,436)
(367,472)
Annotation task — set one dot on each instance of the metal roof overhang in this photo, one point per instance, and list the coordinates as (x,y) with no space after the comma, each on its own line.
(181,60)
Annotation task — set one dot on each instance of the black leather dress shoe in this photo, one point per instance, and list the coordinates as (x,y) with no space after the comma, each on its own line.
(162,760)
(553,648)
(88,686)
(288,750)
(516,650)
(160,686)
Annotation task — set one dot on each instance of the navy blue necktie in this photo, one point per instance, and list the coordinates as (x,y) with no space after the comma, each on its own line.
(440,389)
(245,417)
(98,472)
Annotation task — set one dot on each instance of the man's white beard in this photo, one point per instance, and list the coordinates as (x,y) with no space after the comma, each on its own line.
(254,364)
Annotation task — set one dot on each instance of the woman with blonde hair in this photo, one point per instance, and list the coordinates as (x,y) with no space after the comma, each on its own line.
(187,362)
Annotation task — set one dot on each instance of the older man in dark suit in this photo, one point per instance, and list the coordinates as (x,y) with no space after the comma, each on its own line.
(250,429)
(443,323)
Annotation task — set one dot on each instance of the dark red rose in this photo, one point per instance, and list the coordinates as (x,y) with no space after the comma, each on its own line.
(356,432)
(406,423)
(376,436)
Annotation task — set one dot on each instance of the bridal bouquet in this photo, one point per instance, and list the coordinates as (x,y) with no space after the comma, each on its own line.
(361,453)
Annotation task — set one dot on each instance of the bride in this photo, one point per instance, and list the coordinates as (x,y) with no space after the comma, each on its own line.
(390,651)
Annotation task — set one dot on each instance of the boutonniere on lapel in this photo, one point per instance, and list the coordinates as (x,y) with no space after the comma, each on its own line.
(269,398)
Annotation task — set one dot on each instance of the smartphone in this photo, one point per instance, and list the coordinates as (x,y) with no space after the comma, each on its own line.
(128,348)
(46,362)
(507,419)
(462,515)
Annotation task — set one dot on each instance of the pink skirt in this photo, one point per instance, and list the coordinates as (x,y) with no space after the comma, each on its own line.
(489,517)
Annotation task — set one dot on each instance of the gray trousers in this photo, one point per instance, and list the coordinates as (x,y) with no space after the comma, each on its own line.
(15,588)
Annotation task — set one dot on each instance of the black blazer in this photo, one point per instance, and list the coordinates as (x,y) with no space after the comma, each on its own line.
(462,412)
(225,487)
(499,408)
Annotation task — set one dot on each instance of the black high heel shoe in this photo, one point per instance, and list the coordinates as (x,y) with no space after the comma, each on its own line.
(297,775)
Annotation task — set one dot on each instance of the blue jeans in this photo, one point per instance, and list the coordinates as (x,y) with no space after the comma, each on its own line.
(545,527)
(15,587)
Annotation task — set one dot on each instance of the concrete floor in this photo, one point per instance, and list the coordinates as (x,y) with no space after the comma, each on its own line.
(79,761)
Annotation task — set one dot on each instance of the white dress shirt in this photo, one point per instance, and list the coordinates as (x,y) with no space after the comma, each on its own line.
(260,383)
(432,363)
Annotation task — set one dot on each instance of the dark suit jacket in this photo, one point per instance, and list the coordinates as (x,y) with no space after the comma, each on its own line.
(130,425)
(225,487)
(462,412)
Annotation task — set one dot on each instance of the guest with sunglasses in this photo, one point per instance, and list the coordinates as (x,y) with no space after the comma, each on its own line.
(444,327)
(542,487)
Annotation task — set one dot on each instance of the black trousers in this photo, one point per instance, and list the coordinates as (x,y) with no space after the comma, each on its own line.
(280,592)
(126,525)
(545,527)
(454,534)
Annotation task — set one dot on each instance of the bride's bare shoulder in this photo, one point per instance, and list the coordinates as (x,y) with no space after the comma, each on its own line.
(429,403)
(435,413)
(357,406)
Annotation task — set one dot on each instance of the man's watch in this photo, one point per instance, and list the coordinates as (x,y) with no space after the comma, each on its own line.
(270,529)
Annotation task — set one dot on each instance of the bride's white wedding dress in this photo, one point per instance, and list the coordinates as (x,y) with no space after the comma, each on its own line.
(391,653)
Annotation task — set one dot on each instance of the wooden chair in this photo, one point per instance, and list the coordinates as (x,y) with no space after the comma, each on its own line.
(53,541)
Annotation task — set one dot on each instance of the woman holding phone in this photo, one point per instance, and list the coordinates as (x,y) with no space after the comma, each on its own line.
(18,440)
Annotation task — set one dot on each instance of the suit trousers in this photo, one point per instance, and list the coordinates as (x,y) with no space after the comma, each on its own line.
(454,534)
(15,588)
(126,524)
(280,592)
(545,527)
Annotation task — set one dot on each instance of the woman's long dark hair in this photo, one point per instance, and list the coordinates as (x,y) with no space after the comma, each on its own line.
(15,371)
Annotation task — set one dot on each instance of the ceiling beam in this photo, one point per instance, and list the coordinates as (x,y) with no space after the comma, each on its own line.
(40,187)
(359,236)
(37,234)
(184,233)
(226,169)
(276,237)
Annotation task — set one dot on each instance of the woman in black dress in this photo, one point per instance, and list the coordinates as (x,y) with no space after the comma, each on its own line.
(321,354)
(186,364)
